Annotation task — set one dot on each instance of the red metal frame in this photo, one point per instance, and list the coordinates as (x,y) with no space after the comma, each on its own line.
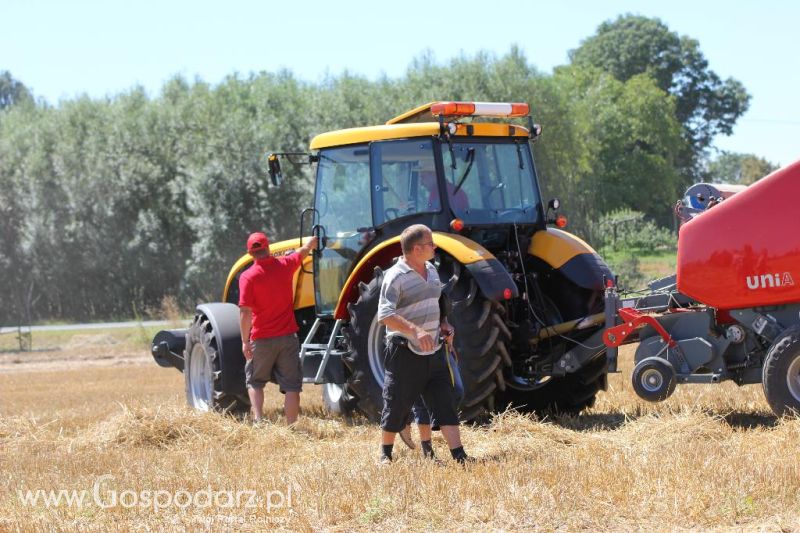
(615,337)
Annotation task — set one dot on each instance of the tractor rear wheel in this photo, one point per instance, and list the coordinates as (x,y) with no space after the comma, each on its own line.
(365,337)
(480,342)
(781,373)
(568,394)
(201,371)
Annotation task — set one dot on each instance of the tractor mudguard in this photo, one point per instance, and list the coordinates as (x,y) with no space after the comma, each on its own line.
(490,275)
(224,319)
(303,282)
(571,256)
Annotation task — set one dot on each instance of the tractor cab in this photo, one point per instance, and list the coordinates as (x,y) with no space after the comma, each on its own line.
(433,165)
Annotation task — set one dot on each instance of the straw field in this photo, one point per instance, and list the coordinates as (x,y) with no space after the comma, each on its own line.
(117,435)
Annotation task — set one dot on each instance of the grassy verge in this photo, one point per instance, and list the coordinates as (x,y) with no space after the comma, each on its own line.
(135,337)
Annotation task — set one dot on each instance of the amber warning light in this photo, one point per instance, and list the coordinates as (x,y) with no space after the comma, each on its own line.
(480,109)
(457,224)
(561,221)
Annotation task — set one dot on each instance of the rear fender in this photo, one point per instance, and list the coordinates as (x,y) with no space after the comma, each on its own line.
(490,275)
(573,257)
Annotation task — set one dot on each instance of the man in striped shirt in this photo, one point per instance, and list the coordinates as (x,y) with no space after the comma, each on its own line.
(415,360)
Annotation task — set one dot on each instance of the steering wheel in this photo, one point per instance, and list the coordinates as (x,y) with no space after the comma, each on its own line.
(390,213)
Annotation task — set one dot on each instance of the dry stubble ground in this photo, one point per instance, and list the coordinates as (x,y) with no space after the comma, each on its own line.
(710,457)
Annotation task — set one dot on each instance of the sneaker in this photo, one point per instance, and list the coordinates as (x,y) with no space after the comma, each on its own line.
(405,436)
(466,460)
(384,460)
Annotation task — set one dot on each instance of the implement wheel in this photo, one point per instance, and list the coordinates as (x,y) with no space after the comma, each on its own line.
(781,373)
(654,379)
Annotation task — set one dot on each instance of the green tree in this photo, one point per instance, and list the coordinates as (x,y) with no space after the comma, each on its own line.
(12,91)
(705,104)
(743,169)
(627,139)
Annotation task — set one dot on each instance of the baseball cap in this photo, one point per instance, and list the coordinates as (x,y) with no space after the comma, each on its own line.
(257,241)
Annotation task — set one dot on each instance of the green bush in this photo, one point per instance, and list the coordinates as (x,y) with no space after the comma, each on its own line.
(626,230)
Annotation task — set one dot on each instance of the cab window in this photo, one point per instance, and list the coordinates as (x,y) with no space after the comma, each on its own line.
(404,179)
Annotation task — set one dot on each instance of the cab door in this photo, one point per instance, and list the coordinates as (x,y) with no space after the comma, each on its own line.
(342,201)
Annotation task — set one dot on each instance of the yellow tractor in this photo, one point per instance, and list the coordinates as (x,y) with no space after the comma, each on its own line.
(527,296)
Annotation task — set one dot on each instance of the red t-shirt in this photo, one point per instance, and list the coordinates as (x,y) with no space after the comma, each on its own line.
(459,202)
(266,288)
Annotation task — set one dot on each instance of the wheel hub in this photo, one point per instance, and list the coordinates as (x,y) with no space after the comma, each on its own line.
(652,380)
(200,386)
(525,383)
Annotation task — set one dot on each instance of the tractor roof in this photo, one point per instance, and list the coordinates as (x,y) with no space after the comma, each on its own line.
(422,122)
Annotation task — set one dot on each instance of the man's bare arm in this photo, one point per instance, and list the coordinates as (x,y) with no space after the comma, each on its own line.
(307,247)
(245,324)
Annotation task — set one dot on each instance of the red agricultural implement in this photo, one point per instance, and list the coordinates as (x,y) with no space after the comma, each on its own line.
(732,312)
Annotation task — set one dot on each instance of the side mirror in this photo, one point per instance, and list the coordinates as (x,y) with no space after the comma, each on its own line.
(274,169)
(559,220)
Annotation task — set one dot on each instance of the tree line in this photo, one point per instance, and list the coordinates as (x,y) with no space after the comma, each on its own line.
(109,205)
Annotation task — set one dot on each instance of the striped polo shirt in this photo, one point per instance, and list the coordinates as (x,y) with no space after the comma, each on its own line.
(404,292)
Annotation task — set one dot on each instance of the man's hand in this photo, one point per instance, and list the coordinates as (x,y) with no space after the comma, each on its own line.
(247,350)
(447,333)
(312,244)
(424,340)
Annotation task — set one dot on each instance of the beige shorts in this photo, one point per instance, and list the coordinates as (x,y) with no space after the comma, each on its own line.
(277,360)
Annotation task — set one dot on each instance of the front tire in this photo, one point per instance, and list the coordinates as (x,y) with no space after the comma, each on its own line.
(781,374)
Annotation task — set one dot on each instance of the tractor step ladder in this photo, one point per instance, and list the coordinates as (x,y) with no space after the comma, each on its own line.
(315,349)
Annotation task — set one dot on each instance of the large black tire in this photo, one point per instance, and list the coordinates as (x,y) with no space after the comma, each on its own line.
(569,394)
(781,373)
(201,371)
(480,341)
(364,361)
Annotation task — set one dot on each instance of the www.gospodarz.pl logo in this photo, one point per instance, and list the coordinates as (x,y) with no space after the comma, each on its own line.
(105,496)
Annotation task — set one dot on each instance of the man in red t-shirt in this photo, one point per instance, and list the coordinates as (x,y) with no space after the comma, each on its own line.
(268,327)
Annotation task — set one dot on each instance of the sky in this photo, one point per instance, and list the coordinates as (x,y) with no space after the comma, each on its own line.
(105,47)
